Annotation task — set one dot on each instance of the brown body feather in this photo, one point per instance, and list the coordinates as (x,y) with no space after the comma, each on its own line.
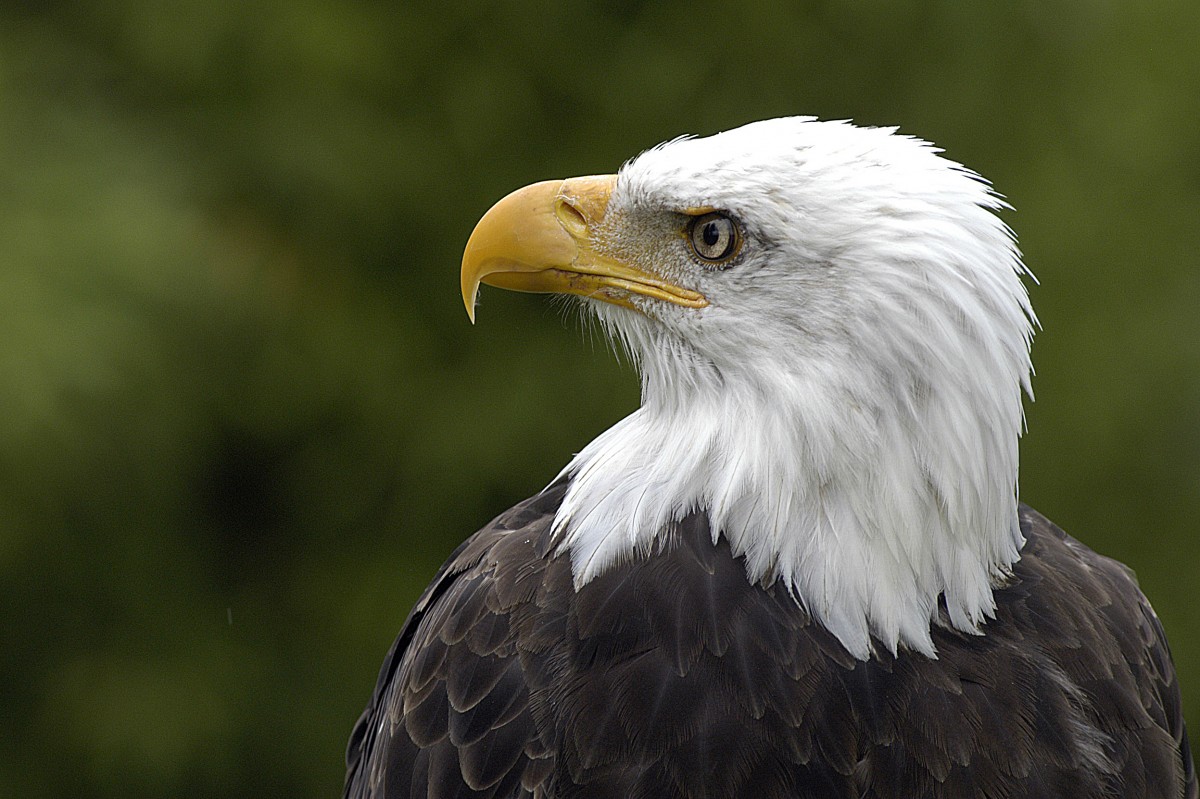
(673,676)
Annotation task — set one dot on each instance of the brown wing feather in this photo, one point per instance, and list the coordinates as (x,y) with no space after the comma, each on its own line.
(673,676)
(450,715)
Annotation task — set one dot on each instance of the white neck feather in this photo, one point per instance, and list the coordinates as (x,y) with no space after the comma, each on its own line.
(831,501)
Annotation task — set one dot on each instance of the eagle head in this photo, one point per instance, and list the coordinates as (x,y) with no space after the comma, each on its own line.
(833,337)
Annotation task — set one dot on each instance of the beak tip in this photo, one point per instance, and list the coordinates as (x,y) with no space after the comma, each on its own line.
(470,292)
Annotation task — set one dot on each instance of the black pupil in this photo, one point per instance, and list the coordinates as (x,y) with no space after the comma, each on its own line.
(711,234)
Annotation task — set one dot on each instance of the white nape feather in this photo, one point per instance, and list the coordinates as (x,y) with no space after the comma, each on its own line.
(848,406)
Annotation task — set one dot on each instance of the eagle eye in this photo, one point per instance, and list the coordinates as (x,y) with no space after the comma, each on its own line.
(714,237)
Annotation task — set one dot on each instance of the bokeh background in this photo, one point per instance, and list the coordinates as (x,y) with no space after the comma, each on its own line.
(243,417)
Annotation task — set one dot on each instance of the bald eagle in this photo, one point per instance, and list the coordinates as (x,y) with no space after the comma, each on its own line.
(800,568)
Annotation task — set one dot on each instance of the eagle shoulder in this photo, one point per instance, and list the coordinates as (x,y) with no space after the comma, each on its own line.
(450,712)
(674,675)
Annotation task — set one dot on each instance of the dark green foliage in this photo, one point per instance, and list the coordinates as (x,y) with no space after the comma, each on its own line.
(243,416)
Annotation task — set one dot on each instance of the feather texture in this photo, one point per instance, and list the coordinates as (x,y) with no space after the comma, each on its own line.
(673,676)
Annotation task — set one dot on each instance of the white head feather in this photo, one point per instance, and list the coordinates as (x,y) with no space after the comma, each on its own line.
(847,408)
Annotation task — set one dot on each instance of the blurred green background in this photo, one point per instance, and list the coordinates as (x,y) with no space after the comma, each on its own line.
(243,416)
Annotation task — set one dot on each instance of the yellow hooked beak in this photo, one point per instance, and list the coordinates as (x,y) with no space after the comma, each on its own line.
(539,239)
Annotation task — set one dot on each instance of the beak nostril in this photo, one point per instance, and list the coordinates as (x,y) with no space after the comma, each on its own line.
(570,217)
(580,204)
